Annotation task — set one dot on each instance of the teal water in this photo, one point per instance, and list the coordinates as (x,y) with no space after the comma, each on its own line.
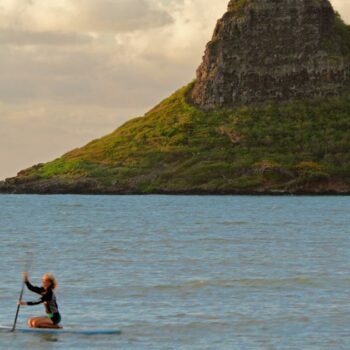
(182,272)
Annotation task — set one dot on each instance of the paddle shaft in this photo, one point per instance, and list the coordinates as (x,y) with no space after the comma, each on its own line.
(18,307)
(22,290)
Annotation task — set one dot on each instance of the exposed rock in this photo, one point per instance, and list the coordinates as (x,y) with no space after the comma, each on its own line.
(38,185)
(273,50)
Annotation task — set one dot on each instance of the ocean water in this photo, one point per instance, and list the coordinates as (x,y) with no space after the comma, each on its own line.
(181,272)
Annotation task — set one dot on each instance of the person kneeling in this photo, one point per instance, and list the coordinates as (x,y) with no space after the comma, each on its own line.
(48,298)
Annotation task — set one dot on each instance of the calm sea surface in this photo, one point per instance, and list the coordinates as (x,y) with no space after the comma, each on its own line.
(182,272)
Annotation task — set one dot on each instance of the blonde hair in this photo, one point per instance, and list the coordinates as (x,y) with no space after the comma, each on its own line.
(50,276)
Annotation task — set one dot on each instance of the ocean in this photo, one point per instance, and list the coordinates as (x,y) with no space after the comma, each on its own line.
(181,272)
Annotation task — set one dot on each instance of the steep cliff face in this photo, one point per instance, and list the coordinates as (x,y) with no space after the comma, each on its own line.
(273,50)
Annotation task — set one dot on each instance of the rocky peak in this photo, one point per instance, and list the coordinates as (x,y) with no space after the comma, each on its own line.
(265,50)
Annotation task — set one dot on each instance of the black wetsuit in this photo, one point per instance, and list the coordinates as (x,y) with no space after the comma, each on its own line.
(49,299)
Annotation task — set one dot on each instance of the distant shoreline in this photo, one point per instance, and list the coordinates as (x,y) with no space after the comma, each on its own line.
(274,193)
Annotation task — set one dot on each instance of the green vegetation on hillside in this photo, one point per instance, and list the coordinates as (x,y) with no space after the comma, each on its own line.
(178,148)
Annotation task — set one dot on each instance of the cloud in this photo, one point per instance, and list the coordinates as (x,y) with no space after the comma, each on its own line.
(120,16)
(116,69)
(84,15)
(51,38)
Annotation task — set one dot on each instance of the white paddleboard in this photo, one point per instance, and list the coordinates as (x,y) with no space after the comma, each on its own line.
(62,331)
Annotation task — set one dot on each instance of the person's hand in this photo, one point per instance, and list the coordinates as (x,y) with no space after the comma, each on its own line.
(25,276)
(21,303)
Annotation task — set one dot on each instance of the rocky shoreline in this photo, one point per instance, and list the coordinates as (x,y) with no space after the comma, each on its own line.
(91,187)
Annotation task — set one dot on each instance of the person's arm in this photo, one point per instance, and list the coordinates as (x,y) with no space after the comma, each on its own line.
(34,289)
(36,302)
(38,290)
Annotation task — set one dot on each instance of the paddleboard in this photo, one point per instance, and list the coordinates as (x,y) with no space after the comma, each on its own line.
(62,331)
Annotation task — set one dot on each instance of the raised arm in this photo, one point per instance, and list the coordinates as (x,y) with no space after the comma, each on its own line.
(38,290)
(34,289)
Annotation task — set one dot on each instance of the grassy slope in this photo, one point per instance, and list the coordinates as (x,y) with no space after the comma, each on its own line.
(177,147)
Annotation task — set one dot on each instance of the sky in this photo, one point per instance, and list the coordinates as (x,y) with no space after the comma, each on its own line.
(74,70)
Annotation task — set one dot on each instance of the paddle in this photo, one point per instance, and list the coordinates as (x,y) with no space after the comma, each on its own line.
(18,306)
(20,297)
